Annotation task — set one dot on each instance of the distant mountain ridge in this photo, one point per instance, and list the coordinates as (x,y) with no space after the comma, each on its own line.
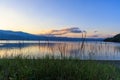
(18,35)
(116,38)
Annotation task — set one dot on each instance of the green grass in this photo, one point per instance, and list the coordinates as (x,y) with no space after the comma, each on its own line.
(56,69)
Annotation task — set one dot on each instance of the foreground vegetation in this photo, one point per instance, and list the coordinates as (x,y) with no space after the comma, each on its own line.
(56,69)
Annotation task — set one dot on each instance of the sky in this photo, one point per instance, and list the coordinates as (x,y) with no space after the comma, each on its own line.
(99,18)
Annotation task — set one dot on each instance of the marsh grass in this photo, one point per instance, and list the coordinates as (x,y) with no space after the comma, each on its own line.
(50,68)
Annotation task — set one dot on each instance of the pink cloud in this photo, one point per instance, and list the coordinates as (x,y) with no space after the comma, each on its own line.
(65,31)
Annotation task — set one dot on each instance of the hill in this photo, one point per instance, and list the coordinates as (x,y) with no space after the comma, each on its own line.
(116,38)
(17,35)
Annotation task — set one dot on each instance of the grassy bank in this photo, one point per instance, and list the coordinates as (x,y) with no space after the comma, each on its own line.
(51,69)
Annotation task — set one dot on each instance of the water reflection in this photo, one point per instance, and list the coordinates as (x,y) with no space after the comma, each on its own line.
(90,50)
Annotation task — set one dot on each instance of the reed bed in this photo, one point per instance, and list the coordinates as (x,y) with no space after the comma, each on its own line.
(49,68)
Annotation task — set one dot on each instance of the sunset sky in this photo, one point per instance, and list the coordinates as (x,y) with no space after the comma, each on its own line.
(99,18)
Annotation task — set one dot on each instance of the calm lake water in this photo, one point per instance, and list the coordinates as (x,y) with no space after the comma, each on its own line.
(85,51)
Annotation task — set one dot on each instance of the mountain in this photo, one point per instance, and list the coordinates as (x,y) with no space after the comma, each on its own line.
(18,35)
(116,38)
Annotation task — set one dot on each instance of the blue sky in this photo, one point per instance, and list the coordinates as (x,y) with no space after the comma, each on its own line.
(41,16)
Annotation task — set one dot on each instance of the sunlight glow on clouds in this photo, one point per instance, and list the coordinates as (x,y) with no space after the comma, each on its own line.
(65,31)
(75,32)
(10,19)
(13,20)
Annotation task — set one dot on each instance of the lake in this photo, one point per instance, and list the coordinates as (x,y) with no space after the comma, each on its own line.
(90,50)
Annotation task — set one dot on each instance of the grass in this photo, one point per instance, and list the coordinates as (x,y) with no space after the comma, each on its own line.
(56,69)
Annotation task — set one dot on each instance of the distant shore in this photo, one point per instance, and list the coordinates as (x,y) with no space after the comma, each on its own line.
(116,38)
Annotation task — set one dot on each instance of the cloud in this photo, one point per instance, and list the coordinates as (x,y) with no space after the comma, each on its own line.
(97,35)
(100,36)
(65,31)
(95,31)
